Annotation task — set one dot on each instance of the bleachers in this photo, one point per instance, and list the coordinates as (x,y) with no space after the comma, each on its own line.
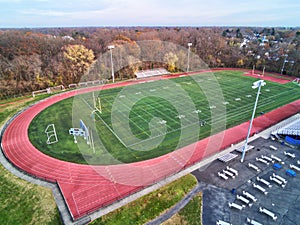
(151,73)
(290,129)
(227,157)
(240,149)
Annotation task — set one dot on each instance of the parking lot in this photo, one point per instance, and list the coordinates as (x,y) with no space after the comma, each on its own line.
(278,198)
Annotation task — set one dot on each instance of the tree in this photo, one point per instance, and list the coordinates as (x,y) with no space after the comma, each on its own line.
(171,59)
(78,59)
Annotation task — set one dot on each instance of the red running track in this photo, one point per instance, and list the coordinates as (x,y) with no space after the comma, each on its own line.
(281,79)
(87,188)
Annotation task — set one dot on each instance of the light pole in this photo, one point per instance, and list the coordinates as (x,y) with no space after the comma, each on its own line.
(284,62)
(258,84)
(188,62)
(111,47)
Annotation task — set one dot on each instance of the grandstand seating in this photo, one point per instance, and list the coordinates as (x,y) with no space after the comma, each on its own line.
(151,73)
(291,132)
(227,157)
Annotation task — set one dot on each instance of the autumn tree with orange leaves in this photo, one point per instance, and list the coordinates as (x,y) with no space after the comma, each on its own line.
(77,60)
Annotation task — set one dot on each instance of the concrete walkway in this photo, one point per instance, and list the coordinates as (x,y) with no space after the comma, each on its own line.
(176,208)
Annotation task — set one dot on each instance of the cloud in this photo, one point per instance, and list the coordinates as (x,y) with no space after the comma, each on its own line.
(37,12)
(150,12)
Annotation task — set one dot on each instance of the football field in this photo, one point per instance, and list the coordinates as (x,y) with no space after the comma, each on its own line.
(150,119)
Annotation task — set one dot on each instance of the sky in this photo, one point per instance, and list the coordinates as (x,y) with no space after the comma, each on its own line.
(75,13)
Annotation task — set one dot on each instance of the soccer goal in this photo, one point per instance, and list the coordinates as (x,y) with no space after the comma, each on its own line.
(97,103)
(51,134)
(297,81)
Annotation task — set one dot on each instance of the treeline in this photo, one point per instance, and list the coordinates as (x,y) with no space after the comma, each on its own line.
(32,59)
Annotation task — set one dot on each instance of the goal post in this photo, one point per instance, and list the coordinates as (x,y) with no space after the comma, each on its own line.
(84,132)
(51,134)
(97,103)
(297,81)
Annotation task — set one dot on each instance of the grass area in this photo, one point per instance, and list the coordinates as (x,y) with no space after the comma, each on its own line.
(21,201)
(143,121)
(25,203)
(149,206)
(189,215)
(9,107)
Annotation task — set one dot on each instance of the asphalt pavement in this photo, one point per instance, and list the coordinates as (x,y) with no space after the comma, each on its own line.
(283,202)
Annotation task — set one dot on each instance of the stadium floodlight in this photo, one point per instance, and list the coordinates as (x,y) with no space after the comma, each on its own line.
(111,47)
(253,69)
(188,62)
(258,84)
(284,62)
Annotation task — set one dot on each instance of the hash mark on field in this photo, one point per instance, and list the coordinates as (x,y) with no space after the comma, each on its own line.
(172,131)
(238,99)
(212,107)
(88,105)
(248,96)
(162,122)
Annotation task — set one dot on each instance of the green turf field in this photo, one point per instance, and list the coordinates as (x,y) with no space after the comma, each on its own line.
(147,120)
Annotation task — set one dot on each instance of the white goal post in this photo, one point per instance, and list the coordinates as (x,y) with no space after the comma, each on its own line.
(51,134)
